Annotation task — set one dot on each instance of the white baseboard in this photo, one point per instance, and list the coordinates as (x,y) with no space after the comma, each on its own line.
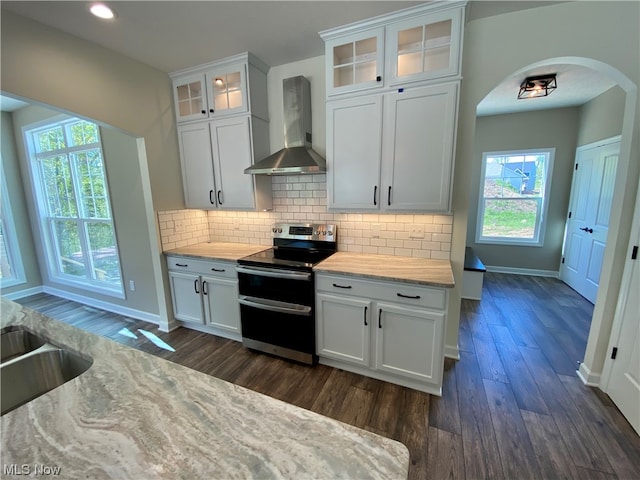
(589,378)
(523,271)
(452,352)
(23,293)
(110,307)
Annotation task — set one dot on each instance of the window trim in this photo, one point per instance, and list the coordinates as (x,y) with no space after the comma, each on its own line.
(541,220)
(45,221)
(11,239)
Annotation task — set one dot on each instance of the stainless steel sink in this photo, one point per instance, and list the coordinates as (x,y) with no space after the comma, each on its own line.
(15,342)
(40,368)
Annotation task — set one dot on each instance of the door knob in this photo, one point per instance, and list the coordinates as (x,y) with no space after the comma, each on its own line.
(586,229)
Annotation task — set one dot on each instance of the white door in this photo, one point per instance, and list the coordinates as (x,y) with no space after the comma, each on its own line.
(222,309)
(343,325)
(419,128)
(231,146)
(409,342)
(197,165)
(589,213)
(622,374)
(354,143)
(185,295)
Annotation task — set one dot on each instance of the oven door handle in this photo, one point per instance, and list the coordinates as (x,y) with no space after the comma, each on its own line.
(273,306)
(268,272)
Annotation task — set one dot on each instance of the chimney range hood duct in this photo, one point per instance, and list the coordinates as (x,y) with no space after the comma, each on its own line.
(296,157)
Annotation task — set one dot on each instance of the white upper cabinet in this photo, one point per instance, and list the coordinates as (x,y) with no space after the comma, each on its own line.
(355,62)
(424,48)
(420,43)
(232,86)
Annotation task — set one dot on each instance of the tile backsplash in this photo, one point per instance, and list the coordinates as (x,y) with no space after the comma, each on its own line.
(303,199)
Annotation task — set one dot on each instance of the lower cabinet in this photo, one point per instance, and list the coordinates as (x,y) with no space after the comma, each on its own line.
(386,330)
(204,295)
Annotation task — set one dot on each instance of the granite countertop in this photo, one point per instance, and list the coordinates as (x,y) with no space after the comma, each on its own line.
(218,250)
(420,271)
(134,415)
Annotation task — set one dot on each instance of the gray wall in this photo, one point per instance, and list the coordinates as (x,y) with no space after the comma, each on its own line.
(601,118)
(11,172)
(557,128)
(123,176)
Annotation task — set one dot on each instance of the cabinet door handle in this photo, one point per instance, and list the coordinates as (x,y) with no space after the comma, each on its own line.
(211,200)
(211,110)
(218,270)
(414,297)
(204,287)
(195,286)
(181,265)
(375,194)
(365,316)
(378,78)
(204,112)
(341,286)
(389,196)
(379,318)
(218,195)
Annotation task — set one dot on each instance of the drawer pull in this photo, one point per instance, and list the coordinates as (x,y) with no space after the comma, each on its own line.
(342,286)
(416,297)
(181,265)
(213,269)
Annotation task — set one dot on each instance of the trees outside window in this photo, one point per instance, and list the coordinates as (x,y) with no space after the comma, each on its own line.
(514,192)
(71,189)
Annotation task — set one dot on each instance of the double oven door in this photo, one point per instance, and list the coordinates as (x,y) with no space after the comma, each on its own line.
(277,311)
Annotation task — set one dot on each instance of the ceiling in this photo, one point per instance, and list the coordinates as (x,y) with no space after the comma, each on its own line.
(171,35)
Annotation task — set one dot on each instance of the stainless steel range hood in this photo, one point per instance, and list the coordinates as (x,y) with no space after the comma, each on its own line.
(296,157)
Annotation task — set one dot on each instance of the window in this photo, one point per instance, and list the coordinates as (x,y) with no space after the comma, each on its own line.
(72,195)
(514,191)
(11,269)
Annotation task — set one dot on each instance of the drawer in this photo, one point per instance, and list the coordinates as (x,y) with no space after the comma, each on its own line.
(397,292)
(201,267)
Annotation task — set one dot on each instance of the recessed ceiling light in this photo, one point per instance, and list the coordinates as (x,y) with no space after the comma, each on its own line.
(102,11)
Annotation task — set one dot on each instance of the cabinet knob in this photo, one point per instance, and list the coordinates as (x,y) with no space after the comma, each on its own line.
(211,110)
(204,112)
(378,78)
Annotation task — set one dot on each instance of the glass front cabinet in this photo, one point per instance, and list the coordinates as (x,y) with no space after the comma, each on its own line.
(356,61)
(418,44)
(425,47)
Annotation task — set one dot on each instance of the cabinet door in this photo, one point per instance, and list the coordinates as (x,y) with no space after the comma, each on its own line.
(232,153)
(409,342)
(418,148)
(221,307)
(189,97)
(343,328)
(354,136)
(227,90)
(197,165)
(355,62)
(186,297)
(425,47)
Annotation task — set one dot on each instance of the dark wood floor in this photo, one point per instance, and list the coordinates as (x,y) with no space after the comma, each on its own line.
(512,406)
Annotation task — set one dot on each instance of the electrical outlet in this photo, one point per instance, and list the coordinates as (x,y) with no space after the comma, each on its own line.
(132,285)
(178,226)
(375,230)
(416,232)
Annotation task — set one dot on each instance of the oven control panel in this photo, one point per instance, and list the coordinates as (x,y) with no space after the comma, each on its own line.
(306,231)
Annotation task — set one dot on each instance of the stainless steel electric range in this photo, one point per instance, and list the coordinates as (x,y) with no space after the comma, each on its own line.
(276,291)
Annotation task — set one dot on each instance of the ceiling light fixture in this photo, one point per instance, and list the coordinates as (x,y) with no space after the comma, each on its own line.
(539,86)
(103,11)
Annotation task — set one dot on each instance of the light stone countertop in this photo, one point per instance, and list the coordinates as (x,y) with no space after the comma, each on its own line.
(218,250)
(420,271)
(136,416)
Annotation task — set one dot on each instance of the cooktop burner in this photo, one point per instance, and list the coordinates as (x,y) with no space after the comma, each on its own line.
(297,247)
